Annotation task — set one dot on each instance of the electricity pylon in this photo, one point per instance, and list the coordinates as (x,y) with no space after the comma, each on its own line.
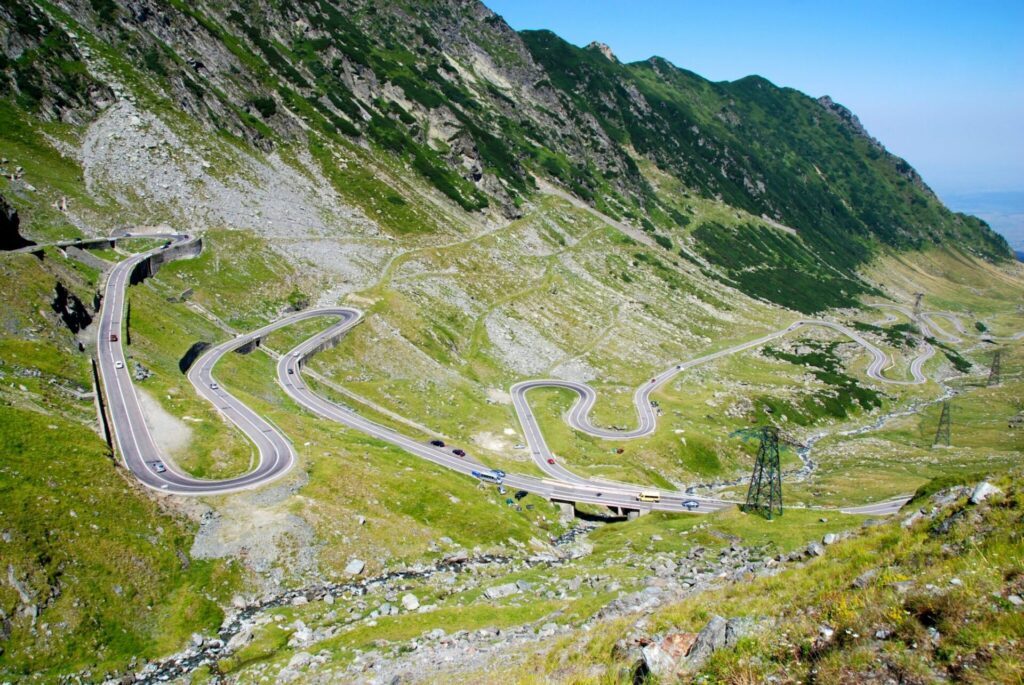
(993,375)
(765,494)
(945,421)
(917,304)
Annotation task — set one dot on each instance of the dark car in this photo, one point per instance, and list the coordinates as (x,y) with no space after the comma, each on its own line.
(437,443)
(691,504)
(459,453)
(521,494)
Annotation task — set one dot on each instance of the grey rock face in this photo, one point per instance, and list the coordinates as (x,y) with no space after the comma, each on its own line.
(983,491)
(500,591)
(409,602)
(710,638)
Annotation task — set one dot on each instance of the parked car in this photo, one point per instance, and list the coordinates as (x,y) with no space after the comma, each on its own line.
(437,443)
(119,364)
(502,490)
(459,453)
(691,504)
(521,494)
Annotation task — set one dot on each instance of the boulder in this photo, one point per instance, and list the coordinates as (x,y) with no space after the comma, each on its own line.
(815,550)
(409,602)
(499,591)
(662,658)
(711,637)
(864,579)
(355,567)
(912,519)
(829,539)
(983,491)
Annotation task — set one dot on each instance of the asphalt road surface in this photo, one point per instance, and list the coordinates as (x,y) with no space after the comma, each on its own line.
(142,455)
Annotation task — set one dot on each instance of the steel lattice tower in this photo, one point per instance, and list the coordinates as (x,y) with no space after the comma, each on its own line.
(765,493)
(993,375)
(917,304)
(945,421)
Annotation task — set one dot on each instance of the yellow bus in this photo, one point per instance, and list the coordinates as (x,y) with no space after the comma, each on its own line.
(648,497)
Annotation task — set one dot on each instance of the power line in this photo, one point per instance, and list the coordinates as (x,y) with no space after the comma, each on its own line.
(765,494)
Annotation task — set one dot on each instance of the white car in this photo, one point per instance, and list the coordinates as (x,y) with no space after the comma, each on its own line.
(119,364)
(213,386)
(159,467)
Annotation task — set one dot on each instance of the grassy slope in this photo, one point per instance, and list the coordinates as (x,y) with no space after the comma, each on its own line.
(978,629)
(106,565)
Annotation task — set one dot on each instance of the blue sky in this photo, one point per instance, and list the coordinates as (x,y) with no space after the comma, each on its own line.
(940,83)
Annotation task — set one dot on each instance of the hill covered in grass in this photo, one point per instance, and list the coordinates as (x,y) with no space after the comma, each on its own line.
(502,206)
(481,114)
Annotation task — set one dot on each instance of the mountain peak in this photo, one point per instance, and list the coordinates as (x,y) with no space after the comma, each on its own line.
(604,50)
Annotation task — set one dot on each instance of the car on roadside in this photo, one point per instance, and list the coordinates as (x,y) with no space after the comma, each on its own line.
(437,443)
(459,453)
(521,494)
(691,504)
(502,490)
(119,364)
(519,446)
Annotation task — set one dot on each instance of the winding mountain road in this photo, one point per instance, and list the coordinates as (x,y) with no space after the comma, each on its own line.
(142,455)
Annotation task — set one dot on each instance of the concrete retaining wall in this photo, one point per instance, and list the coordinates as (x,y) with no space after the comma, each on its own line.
(87,258)
(149,266)
(327,344)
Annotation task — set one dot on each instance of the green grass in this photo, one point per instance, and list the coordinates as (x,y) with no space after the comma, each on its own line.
(981,548)
(161,333)
(237,277)
(108,568)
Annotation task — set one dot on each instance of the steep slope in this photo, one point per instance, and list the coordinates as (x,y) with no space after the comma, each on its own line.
(502,207)
(479,112)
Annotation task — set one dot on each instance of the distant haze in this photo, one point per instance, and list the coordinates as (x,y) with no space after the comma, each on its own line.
(939,83)
(1004,211)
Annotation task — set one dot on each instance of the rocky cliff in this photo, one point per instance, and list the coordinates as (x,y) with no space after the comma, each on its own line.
(449,92)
